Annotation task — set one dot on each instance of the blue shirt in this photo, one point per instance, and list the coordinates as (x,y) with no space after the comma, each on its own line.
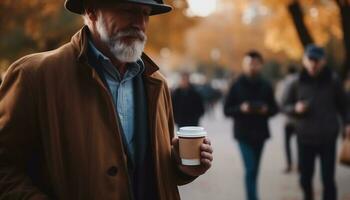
(122,91)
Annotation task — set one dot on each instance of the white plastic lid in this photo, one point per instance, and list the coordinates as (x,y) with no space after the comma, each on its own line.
(191,131)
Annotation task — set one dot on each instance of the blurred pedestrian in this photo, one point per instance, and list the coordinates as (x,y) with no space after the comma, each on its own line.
(188,105)
(289,128)
(93,119)
(316,98)
(250,102)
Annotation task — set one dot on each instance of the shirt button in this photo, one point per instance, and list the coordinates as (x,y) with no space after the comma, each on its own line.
(112,171)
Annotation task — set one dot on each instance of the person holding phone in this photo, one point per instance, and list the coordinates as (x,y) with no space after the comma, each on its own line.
(250,102)
(316,99)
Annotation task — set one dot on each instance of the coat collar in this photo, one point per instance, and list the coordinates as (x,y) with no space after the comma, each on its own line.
(251,81)
(325,75)
(80,44)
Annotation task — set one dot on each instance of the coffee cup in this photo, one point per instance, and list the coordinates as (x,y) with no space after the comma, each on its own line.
(190,140)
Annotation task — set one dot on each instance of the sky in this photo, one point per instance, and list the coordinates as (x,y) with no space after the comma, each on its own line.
(201,9)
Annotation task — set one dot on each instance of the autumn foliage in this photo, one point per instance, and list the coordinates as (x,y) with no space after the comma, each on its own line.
(176,39)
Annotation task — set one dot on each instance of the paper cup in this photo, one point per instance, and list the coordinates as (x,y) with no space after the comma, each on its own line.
(190,140)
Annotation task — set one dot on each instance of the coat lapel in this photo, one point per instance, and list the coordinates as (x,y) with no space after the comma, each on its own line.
(153,88)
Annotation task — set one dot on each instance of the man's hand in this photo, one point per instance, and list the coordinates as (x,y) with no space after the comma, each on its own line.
(245,108)
(206,158)
(347,131)
(263,110)
(300,107)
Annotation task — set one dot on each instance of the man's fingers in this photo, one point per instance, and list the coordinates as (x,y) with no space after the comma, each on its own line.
(207,141)
(206,163)
(207,148)
(206,155)
(175,141)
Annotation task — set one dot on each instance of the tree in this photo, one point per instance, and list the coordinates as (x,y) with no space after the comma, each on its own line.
(32,26)
(168,30)
(305,37)
(298,18)
(296,23)
(36,25)
(344,7)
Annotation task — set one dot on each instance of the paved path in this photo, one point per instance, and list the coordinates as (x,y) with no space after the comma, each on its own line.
(225,179)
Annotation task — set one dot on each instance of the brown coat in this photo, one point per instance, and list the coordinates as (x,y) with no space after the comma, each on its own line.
(54,104)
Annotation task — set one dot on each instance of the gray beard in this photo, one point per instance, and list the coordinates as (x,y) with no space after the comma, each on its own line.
(123,52)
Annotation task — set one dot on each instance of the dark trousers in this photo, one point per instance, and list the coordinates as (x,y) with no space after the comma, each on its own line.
(289,132)
(307,156)
(251,155)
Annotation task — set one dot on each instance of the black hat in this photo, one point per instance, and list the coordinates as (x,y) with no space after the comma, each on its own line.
(158,7)
(314,52)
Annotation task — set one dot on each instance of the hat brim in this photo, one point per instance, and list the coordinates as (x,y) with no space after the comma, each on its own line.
(78,7)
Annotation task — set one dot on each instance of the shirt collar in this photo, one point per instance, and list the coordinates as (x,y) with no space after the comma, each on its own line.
(96,57)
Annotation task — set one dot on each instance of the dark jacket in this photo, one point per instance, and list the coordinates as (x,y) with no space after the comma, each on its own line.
(326,101)
(253,127)
(188,106)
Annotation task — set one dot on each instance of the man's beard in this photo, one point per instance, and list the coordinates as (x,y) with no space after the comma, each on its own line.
(122,51)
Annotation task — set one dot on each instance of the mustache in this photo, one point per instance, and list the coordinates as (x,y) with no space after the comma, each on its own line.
(131,32)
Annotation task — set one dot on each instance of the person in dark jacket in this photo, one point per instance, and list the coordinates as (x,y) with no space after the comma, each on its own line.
(250,102)
(289,128)
(188,105)
(316,98)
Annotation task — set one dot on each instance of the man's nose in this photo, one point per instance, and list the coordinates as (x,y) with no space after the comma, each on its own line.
(140,21)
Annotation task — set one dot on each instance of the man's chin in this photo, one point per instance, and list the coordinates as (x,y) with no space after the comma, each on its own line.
(127,52)
(127,56)
(128,59)
(131,42)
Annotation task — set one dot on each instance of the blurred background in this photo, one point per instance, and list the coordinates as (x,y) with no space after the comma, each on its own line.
(209,38)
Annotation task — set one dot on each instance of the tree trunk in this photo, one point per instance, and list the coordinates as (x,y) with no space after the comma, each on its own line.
(298,19)
(344,8)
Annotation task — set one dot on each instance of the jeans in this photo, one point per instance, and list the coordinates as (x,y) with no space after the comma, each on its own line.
(251,155)
(307,157)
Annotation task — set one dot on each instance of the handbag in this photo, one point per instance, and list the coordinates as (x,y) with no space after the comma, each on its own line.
(344,157)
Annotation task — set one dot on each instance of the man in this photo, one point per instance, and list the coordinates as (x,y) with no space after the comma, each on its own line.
(92,119)
(316,98)
(289,128)
(187,103)
(250,102)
